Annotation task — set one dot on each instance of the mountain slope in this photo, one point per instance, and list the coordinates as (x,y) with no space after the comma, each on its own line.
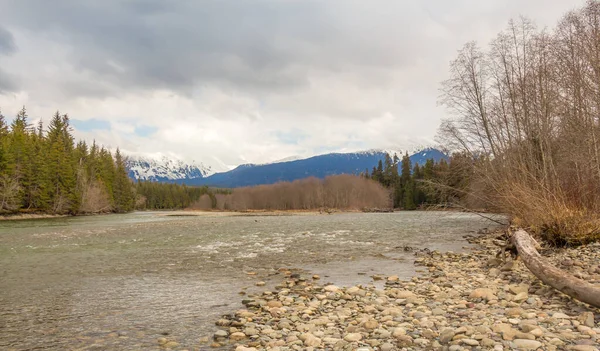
(165,170)
(318,166)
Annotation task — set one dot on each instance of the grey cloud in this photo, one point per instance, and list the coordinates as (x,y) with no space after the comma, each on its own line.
(7,42)
(263,45)
(8,82)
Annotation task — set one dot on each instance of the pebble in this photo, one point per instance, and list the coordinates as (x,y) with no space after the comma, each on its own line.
(353,337)
(526,344)
(457,303)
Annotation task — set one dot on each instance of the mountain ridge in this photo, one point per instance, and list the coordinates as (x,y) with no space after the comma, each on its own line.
(249,174)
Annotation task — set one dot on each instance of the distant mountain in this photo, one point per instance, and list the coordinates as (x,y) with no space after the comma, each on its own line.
(318,166)
(166,170)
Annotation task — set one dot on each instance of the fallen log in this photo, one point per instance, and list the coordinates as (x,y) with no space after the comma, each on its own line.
(556,278)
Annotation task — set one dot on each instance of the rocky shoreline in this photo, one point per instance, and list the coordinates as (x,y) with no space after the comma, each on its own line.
(461,301)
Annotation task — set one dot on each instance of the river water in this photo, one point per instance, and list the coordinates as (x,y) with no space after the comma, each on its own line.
(119,282)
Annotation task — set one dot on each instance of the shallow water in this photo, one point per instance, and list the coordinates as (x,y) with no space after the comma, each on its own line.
(119,282)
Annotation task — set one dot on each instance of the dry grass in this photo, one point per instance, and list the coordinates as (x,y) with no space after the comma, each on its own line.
(550,215)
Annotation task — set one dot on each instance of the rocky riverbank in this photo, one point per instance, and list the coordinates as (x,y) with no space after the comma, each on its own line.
(467,301)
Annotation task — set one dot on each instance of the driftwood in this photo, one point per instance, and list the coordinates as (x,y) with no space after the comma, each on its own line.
(556,278)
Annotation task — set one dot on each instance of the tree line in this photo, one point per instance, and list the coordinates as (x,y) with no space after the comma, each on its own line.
(44,170)
(433,183)
(339,192)
(525,109)
(162,196)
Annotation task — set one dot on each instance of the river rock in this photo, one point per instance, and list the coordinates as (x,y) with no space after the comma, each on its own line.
(483,293)
(582,348)
(219,334)
(398,332)
(525,344)
(243,348)
(353,337)
(274,303)
(517,289)
(236,336)
(331,288)
(446,336)
(310,340)
(470,342)
(404,294)
(587,319)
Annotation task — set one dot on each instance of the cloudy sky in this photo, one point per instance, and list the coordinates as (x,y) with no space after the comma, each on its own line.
(227,82)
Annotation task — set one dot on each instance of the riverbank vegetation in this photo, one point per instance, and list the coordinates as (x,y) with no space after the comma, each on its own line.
(45,171)
(432,184)
(336,192)
(170,196)
(525,109)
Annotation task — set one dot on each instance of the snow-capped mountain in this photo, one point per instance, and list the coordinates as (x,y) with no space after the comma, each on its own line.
(165,169)
(289,169)
(319,166)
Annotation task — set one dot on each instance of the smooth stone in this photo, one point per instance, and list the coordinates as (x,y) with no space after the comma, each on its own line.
(331,288)
(311,341)
(587,319)
(526,344)
(219,334)
(353,337)
(560,315)
(517,289)
(398,332)
(470,342)
(237,336)
(244,348)
(446,336)
(582,348)
(483,293)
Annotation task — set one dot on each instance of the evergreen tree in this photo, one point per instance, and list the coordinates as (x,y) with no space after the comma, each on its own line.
(123,194)
(406,169)
(61,166)
(409,191)
(3,144)
(20,154)
(37,193)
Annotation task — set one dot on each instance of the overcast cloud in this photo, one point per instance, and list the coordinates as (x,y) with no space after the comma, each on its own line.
(228,82)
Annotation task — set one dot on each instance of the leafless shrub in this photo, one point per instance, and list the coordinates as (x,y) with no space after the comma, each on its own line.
(341,192)
(528,110)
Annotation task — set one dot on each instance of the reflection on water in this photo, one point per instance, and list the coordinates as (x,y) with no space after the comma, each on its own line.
(121,281)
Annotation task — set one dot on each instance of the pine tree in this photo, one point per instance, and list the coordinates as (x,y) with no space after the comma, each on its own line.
(409,193)
(123,190)
(61,166)
(38,191)
(3,144)
(406,169)
(20,155)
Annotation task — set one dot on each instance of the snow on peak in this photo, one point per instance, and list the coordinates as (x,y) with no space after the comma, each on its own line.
(164,168)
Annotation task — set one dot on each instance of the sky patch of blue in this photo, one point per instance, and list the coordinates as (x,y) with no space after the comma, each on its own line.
(145,131)
(90,124)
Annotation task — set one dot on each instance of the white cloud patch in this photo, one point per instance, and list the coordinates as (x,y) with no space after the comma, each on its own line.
(228,82)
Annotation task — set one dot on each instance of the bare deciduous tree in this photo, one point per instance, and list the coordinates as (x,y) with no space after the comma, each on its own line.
(528,110)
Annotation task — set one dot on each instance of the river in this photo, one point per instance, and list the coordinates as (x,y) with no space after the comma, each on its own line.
(119,282)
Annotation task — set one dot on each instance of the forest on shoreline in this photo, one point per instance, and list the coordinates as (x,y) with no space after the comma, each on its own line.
(525,109)
(44,171)
(523,132)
